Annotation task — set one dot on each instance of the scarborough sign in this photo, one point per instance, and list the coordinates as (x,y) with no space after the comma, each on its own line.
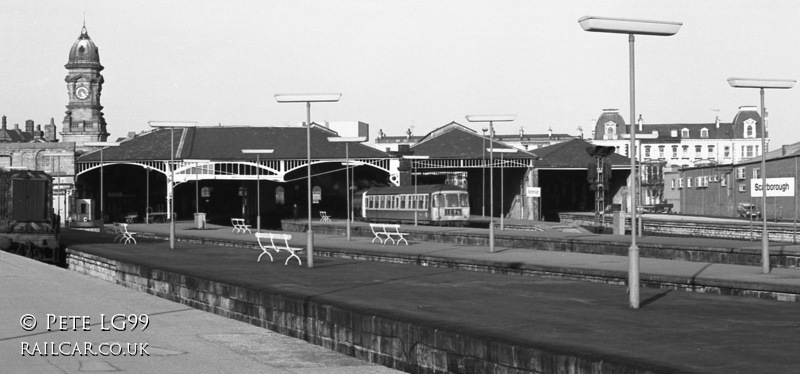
(774,187)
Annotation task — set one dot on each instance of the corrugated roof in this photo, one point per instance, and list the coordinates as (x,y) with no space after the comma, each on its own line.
(226,144)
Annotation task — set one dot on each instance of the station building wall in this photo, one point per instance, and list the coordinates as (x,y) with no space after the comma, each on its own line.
(717,190)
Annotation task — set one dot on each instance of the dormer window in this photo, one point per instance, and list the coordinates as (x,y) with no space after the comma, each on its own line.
(611,131)
(684,133)
(749,128)
(673,133)
(704,132)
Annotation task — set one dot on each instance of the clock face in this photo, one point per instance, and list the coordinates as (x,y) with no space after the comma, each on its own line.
(82,92)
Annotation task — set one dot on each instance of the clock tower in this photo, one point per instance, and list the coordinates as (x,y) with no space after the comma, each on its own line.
(84,121)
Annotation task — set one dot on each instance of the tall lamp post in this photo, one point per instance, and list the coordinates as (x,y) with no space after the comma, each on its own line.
(414,172)
(258,153)
(102,201)
(172,126)
(762,84)
(483,173)
(631,27)
(502,151)
(491,119)
(347,141)
(308,99)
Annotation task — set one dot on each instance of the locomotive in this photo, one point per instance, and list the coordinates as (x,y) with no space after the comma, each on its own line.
(433,204)
(28,225)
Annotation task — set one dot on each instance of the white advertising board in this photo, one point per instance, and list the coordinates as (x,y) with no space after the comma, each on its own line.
(533,191)
(775,187)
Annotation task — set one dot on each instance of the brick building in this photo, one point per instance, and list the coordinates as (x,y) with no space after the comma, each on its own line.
(718,190)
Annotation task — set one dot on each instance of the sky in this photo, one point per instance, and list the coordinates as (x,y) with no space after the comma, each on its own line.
(401,64)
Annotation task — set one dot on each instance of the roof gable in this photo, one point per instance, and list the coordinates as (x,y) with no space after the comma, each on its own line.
(572,154)
(456,141)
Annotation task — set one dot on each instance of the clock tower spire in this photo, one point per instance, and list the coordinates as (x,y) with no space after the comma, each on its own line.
(84,120)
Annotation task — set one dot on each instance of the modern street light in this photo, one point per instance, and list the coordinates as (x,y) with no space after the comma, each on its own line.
(502,151)
(491,119)
(762,84)
(414,171)
(483,173)
(102,201)
(347,141)
(631,27)
(258,153)
(172,126)
(308,99)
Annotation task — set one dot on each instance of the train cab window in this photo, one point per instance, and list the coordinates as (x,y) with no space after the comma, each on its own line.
(464,199)
(452,200)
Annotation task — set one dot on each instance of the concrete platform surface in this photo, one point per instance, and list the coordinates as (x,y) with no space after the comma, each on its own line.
(179,339)
(672,332)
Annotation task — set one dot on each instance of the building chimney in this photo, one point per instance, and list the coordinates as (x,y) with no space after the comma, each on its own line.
(550,132)
(29,126)
(716,121)
(4,122)
(640,120)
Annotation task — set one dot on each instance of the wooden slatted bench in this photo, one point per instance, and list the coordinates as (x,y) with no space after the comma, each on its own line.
(283,245)
(385,232)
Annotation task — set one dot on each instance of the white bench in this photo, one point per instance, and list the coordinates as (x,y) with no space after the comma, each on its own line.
(389,231)
(123,235)
(239,226)
(324,215)
(284,246)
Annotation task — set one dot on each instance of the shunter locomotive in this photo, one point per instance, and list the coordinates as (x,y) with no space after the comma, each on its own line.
(28,225)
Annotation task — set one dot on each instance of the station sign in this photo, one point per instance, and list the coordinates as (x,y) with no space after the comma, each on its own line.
(533,191)
(775,187)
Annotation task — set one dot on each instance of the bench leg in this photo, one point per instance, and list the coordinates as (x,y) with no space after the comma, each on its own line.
(402,237)
(290,257)
(377,237)
(265,253)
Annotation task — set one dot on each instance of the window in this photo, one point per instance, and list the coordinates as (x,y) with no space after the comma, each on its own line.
(689,182)
(726,152)
(698,151)
(685,151)
(742,187)
(672,184)
(674,151)
(673,133)
(661,151)
(740,173)
(704,132)
(749,151)
(647,151)
(711,154)
(684,133)
(680,183)
(756,173)
(724,181)
(279,195)
(748,132)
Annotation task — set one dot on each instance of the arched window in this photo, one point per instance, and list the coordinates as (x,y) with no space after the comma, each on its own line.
(704,132)
(748,132)
(684,133)
(280,195)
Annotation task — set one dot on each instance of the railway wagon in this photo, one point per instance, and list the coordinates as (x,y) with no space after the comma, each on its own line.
(28,225)
(434,204)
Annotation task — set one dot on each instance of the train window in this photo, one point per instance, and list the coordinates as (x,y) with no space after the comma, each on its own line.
(438,200)
(464,199)
(424,202)
(452,200)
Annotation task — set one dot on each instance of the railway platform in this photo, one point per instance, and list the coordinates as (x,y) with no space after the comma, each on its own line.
(437,318)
